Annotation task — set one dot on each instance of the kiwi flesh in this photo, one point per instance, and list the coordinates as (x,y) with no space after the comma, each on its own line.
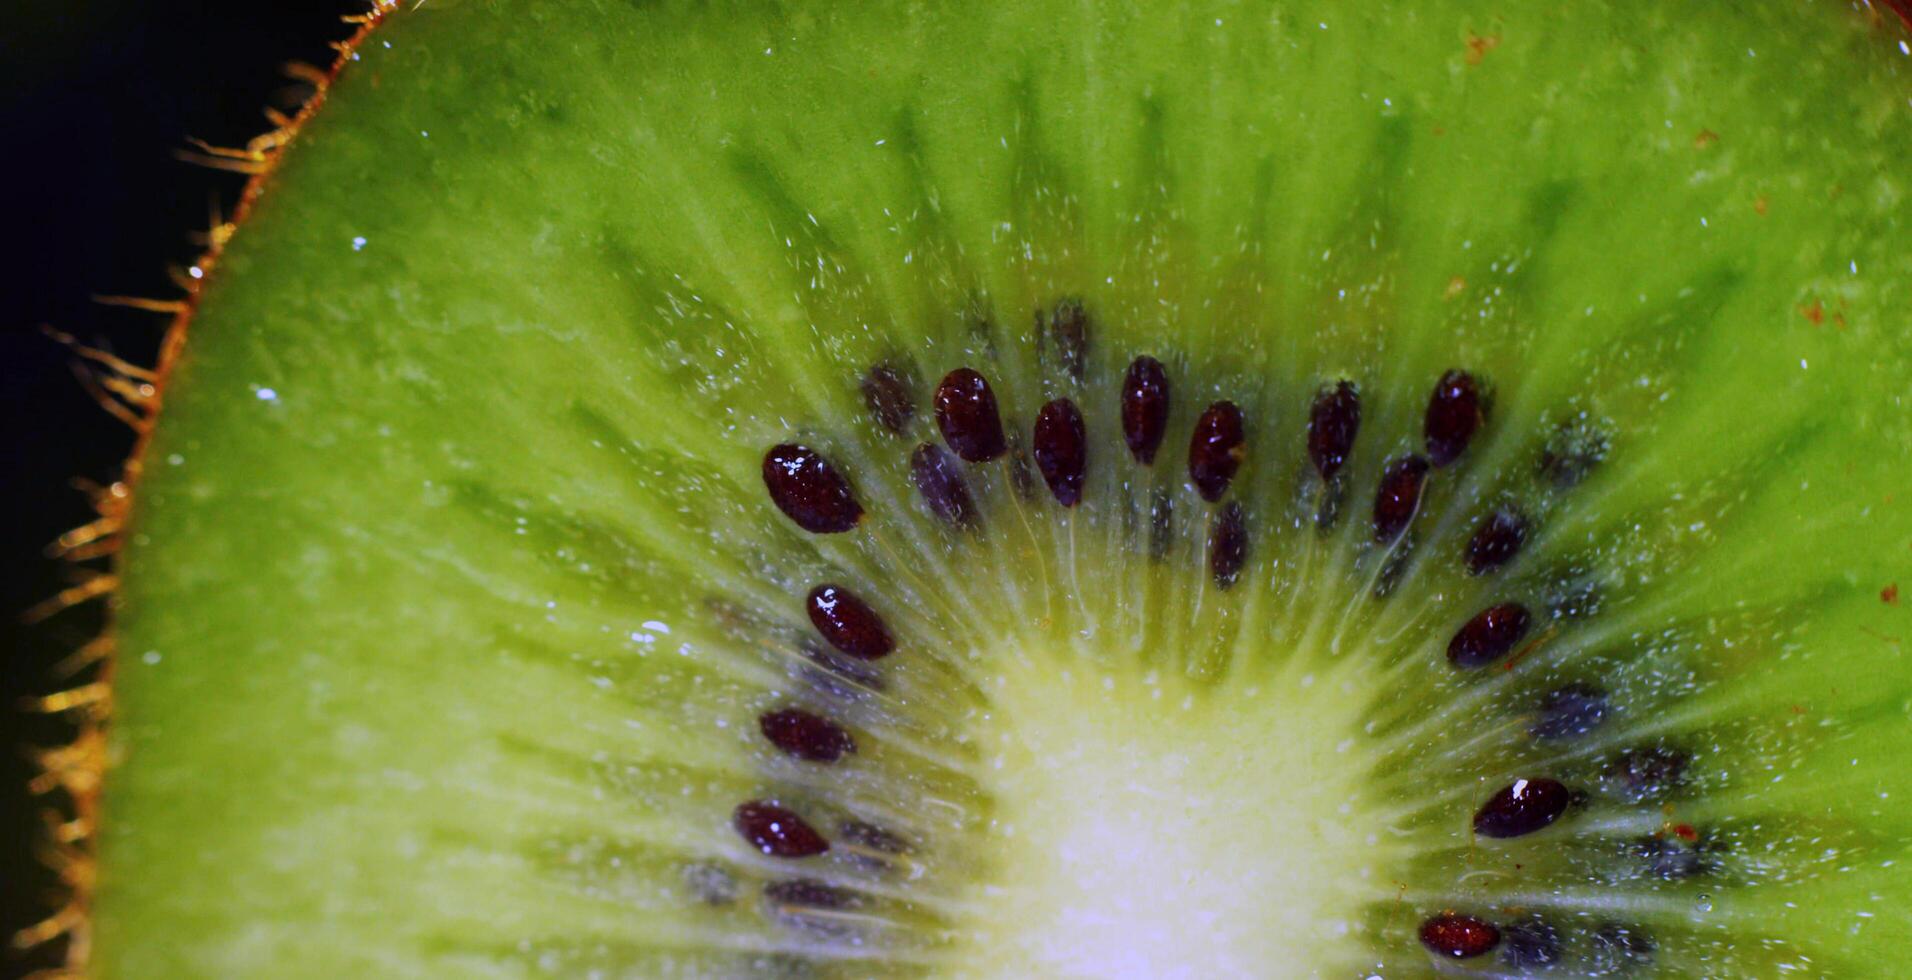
(1074,490)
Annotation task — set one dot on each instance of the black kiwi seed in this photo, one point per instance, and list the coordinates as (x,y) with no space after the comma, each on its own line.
(848,623)
(1069,328)
(1144,408)
(1572,451)
(1453,415)
(1332,423)
(887,392)
(1457,936)
(1216,449)
(809,489)
(1398,496)
(1569,710)
(966,414)
(1643,774)
(1496,541)
(803,735)
(1531,944)
(1621,949)
(934,472)
(1061,448)
(777,831)
(1522,807)
(1227,545)
(1489,636)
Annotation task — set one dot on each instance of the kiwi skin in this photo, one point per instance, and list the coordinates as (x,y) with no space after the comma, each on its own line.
(292,802)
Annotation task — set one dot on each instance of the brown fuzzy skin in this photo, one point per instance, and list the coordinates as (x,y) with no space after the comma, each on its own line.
(71,775)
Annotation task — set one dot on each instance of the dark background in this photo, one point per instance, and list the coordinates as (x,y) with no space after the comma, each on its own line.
(96,99)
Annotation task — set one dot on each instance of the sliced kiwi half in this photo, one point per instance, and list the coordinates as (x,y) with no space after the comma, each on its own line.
(1203,489)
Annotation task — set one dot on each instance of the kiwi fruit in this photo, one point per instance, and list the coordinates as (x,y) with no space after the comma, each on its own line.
(1202,489)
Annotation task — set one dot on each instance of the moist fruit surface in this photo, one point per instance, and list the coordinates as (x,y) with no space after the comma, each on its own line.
(1202,489)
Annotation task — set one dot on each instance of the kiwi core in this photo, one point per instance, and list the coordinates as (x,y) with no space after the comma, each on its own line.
(1152,828)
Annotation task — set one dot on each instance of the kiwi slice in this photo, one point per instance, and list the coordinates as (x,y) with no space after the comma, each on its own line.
(1046,489)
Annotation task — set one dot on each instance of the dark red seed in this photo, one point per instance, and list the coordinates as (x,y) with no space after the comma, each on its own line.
(1332,424)
(777,831)
(938,479)
(966,412)
(1144,408)
(1644,774)
(1489,636)
(1227,545)
(1522,807)
(848,623)
(1569,710)
(1062,450)
(1457,936)
(1216,450)
(1398,496)
(887,392)
(1496,541)
(1453,415)
(806,736)
(1069,328)
(809,490)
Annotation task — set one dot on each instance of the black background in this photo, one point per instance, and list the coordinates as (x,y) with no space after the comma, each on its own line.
(97,97)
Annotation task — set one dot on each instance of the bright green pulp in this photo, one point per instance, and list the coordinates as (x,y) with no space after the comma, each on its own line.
(423,669)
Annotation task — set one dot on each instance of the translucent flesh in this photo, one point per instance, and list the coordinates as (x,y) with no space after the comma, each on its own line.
(453,592)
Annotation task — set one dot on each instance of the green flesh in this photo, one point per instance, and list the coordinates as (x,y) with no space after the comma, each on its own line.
(453,592)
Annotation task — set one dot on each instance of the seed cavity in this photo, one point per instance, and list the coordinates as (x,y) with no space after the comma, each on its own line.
(1227,545)
(888,392)
(1144,408)
(1522,807)
(1454,414)
(1569,710)
(1530,944)
(1619,949)
(809,489)
(1216,450)
(710,884)
(1161,525)
(777,831)
(805,904)
(1062,450)
(1671,858)
(1398,497)
(1458,937)
(1069,329)
(870,846)
(1574,449)
(1496,541)
(1489,636)
(1333,421)
(1645,774)
(966,414)
(848,623)
(803,735)
(937,478)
